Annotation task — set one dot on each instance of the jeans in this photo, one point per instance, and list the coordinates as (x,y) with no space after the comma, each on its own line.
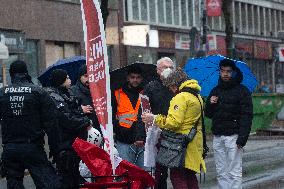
(228,160)
(131,153)
(18,157)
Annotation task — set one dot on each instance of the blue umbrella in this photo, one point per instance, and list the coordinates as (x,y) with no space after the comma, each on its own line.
(206,71)
(71,65)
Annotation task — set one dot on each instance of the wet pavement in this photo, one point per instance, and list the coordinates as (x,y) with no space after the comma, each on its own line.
(263,166)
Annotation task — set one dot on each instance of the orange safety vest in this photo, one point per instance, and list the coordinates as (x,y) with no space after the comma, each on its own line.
(125,113)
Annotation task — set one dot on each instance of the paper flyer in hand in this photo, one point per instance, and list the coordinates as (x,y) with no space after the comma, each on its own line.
(145,103)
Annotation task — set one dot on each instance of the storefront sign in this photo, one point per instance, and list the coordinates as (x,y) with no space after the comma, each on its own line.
(166,39)
(135,35)
(221,46)
(153,38)
(182,41)
(15,41)
(263,50)
(214,7)
(244,47)
(211,42)
(279,88)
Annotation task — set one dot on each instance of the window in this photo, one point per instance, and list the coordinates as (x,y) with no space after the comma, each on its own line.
(197,12)
(70,1)
(144,10)
(55,50)
(243,15)
(183,13)
(250,19)
(152,7)
(261,9)
(169,12)
(161,11)
(268,21)
(135,9)
(190,13)
(31,57)
(237,17)
(256,23)
(176,12)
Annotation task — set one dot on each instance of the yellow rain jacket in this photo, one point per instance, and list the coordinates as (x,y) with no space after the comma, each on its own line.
(183,113)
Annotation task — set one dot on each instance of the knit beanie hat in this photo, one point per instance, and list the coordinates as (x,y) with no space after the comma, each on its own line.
(58,77)
(82,71)
(18,67)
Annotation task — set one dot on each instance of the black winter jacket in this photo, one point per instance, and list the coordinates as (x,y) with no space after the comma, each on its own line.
(159,97)
(26,112)
(233,112)
(137,131)
(71,119)
(84,96)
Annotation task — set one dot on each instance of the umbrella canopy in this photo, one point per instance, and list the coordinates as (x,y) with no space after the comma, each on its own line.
(71,65)
(206,71)
(118,76)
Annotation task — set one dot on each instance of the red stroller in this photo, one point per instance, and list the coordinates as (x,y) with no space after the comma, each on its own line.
(128,175)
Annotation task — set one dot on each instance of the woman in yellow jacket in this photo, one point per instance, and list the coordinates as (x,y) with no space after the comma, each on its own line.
(183,113)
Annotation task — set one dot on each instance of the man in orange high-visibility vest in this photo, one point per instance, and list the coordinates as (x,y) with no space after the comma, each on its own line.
(129,129)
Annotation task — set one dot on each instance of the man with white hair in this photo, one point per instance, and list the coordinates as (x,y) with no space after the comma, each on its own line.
(159,97)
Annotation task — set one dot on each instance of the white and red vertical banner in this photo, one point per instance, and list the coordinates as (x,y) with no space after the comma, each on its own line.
(98,69)
(214,7)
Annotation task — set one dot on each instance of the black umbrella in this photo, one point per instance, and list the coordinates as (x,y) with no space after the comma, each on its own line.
(118,76)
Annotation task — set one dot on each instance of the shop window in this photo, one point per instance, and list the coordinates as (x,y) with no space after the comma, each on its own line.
(59,50)
(5,69)
(139,54)
(31,58)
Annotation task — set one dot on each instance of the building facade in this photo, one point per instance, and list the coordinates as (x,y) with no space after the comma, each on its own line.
(40,32)
(256,24)
(43,31)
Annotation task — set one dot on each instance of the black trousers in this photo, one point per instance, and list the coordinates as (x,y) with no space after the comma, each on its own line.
(67,164)
(18,157)
(161,175)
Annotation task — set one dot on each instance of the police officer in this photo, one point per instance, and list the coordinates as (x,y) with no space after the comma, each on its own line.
(72,123)
(26,112)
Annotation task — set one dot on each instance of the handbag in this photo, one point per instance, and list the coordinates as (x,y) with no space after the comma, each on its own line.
(172,147)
